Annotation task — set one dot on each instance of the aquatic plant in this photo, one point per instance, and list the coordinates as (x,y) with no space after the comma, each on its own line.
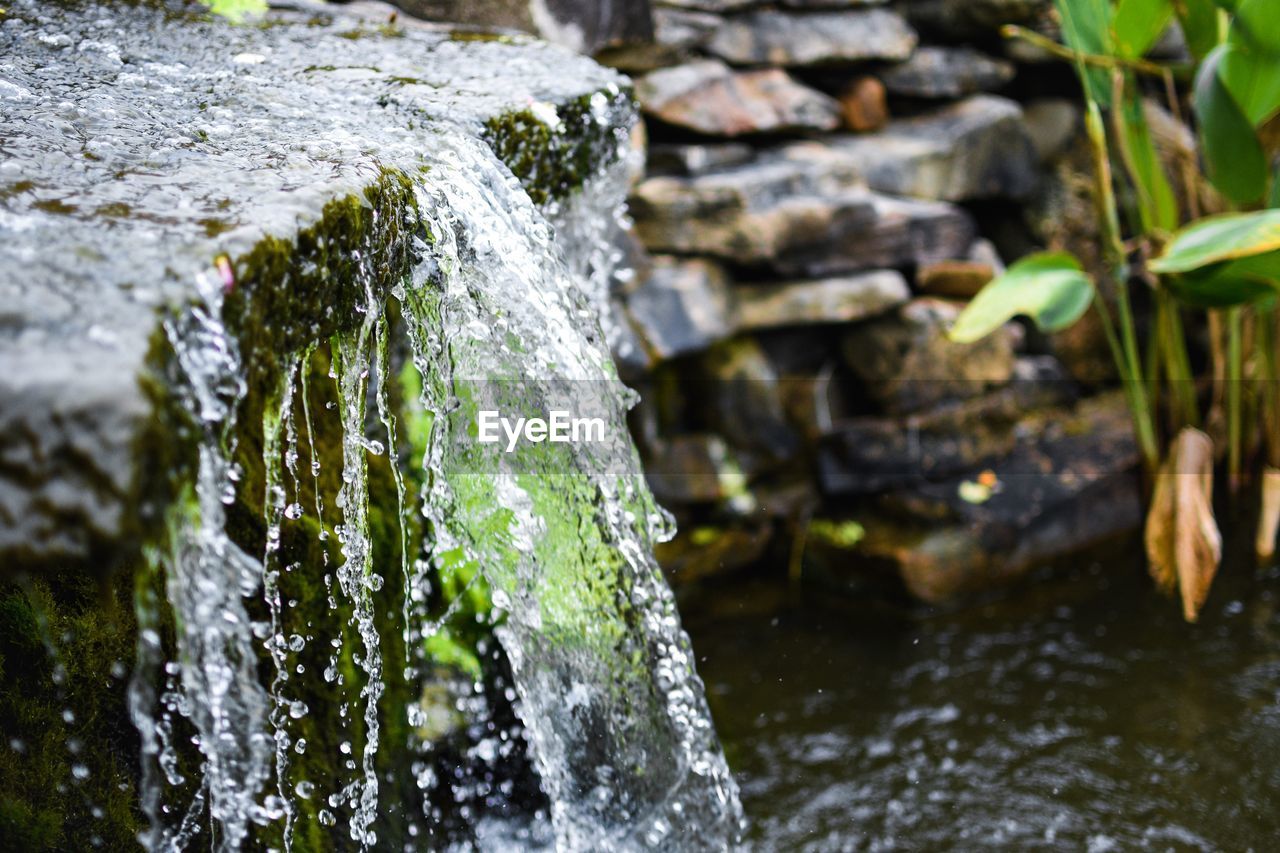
(1201,245)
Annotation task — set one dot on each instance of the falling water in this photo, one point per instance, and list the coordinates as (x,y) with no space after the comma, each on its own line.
(505,308)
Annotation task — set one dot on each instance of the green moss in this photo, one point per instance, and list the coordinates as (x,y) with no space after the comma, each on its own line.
(69,752)
(554,162)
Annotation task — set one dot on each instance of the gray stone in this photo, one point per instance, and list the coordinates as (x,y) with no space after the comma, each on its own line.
(739,394)
(798,39)
(906,362)
(683,306)
(692,160)
(796,217)
(709,98)
(677,33)
(974,149)
(717,6)
(870,454)
(1051,124)
(842,299)
(581,25)
(947,72)
(123,181)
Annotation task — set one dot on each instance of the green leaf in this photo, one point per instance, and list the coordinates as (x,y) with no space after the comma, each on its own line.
(1157,205)
(1049,287)
(1086,27)
(1230,237)
(1199,19)
(1138,23)
(1225,285)
(1233,156)
(1251,69)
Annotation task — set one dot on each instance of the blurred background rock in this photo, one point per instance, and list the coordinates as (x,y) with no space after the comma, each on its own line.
(827,182)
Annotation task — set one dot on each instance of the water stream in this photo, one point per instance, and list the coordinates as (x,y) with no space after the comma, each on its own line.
(497,314)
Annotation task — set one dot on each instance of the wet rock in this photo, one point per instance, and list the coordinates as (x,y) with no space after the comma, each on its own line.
(681,307)
(581,25)
(947,72)
(740,397)
(795,39)
(841,299)
(1051,123)
(864,106)
(975,149)
(906,363)
(866,455)
(693,469)
(800,217)
(630,354)
(709,98)
(693,160)
(1068,486)
(175,181)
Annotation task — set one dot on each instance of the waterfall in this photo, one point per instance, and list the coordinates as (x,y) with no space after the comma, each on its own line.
(503,310)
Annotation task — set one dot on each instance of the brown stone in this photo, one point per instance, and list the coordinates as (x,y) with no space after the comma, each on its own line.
(864,105)
(709,98)
(1070,485)
(955,279)
(906,362)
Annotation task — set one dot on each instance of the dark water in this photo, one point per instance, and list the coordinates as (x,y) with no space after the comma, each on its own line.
(1077,713)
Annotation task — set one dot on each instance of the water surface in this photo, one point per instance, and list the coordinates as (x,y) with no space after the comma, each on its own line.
(1080,712)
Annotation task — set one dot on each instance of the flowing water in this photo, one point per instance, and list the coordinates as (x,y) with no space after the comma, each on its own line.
(495,315)
(1080,713)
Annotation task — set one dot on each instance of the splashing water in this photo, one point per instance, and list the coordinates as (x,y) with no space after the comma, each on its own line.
(503,310)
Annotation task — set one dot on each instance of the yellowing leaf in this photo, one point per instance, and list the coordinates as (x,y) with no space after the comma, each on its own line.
(1048,287)
(1182,539)
(1229,237)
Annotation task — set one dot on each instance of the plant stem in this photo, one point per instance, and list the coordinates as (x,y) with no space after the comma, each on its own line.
(1155,69)
(1126,350)
(1235,373)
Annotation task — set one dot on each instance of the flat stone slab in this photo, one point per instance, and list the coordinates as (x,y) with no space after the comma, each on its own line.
(840,299)
(802,39)
(796,216)
(709,98)
(978,148)
(143,143)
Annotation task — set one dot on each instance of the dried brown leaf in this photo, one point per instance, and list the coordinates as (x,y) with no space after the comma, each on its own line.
(1269,520)
(1182,538)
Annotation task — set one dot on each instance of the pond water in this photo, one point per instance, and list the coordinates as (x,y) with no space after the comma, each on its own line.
(1077,712)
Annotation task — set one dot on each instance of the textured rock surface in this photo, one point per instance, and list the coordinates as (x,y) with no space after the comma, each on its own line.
(581,25)
(818,38)
(681,307)
(870,454)
(205,142)
(709,98)
(1071,483)
(975,149)
(945,72)
(906,362)
(842,299)
(864,105)
(796,219)
(967,18)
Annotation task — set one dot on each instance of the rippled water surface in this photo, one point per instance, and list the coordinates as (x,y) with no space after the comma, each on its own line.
(1079,713)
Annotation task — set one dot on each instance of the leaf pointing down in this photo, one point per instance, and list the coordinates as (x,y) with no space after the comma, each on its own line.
(1182,538)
